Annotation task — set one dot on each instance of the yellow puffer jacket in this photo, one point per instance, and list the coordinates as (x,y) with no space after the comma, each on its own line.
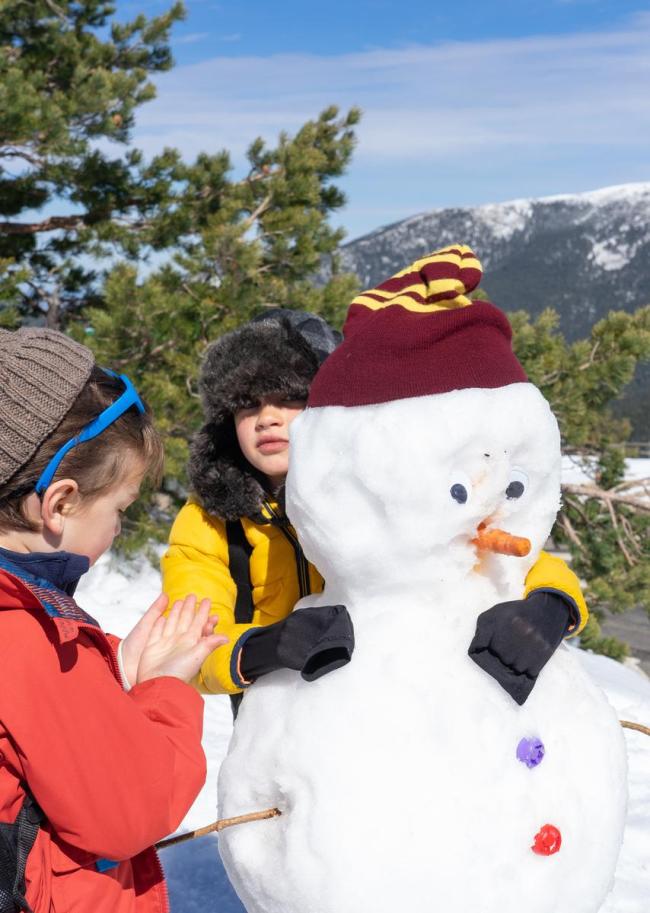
(197,562)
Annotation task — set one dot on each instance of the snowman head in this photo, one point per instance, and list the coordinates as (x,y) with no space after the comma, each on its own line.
(422,438)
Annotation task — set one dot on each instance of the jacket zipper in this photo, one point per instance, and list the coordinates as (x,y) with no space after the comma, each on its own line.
(302,565)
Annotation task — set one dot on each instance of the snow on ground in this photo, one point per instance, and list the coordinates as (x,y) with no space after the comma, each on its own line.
(576,472)
(117,594)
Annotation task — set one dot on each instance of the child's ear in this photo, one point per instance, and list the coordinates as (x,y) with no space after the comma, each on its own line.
(60,499)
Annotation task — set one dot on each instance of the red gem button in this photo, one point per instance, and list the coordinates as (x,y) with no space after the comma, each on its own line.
(548,840)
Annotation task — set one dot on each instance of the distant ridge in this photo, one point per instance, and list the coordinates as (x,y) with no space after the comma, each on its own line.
(582,254)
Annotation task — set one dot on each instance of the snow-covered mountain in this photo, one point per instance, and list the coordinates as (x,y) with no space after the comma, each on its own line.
(582,254)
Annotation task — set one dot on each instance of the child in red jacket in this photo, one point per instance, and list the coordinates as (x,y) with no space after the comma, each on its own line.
(90,775)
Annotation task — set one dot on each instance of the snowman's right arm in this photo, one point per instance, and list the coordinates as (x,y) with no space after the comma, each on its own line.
(314,641)
(197,562)
(551,574)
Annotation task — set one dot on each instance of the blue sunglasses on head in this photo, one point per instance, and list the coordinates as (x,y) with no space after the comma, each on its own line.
(104,419)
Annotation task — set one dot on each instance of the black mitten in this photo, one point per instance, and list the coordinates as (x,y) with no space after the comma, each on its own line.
(315,641)
(515,640)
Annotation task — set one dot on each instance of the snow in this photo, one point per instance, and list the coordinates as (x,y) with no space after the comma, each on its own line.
(505,219)
(614,194)
(398,773)
(575,470)
(423,803)
(117,593)
(617,193)
(606,256)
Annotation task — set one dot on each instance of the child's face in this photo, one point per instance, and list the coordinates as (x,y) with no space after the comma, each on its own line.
(263,434)
(89,528)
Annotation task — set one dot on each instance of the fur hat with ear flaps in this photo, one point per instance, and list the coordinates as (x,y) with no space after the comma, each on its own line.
(277,352)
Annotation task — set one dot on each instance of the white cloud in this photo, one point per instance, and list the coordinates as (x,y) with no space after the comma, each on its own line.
(527,105)
(190,38)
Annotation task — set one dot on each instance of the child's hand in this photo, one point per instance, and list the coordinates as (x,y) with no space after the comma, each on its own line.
(135,641)
(178,644)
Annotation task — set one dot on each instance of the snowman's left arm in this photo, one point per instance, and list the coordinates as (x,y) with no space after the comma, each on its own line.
(514,640)
(550,574)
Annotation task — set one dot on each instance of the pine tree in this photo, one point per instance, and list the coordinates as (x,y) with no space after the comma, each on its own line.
(605,523)
(70,76)
(242,245)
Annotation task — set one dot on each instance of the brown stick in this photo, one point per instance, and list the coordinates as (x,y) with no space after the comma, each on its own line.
(626,724)
(219,826)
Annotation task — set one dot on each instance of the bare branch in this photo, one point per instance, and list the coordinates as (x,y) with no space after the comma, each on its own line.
(67,223)
(569,529)
(259,210)
(51,224)
(14,153)
(592,357)
(621,544)
(56,10)
(638,486)
(639,503)
(631,535)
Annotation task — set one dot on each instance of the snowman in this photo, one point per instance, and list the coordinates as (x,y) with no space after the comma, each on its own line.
(424,481)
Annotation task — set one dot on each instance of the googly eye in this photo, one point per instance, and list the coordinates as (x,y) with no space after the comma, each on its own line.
(517,484)
(460,488)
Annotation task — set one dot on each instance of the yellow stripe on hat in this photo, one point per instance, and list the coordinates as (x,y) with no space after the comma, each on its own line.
(427,285)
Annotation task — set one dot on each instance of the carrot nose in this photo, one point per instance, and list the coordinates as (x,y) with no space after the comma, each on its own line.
(497,540)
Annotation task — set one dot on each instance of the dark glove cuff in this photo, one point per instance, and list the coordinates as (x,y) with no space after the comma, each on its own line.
(313,641)
(559,598)
(327,658)
(317,640)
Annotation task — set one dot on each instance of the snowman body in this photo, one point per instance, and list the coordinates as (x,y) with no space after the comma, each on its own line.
(397,775)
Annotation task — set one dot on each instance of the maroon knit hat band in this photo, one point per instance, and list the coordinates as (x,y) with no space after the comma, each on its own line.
(413,345)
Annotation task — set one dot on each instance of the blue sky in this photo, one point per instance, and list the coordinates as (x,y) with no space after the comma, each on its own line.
(463,103)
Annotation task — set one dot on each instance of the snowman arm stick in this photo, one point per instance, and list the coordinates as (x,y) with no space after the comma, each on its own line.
(219,826)
(626,724)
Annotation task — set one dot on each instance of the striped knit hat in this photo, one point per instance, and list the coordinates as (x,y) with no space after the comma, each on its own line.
(42,372)
(418,333)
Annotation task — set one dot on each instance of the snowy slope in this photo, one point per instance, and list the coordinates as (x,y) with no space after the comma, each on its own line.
(117,594)
(581,254)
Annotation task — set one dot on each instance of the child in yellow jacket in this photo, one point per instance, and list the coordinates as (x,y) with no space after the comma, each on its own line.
(232,541)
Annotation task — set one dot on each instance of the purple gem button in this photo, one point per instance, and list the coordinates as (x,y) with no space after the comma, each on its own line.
(530,752)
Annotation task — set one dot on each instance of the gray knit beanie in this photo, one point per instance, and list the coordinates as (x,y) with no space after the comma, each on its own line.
(42,372)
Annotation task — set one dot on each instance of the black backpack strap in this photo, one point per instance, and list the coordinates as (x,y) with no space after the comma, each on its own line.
(16,842)
(239,553)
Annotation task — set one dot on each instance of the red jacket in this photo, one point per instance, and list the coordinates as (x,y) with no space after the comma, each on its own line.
(112,771)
